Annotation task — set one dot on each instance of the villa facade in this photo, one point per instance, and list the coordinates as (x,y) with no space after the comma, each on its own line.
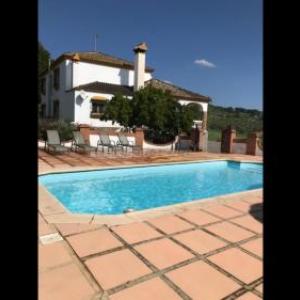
(78,85)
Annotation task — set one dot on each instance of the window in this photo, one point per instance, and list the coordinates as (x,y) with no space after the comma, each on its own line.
(43,86)
(98,108)
(56,78)
(56,109)
(43,111)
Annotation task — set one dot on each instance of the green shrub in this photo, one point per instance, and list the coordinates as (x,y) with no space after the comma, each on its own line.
(64,129)
(159,137)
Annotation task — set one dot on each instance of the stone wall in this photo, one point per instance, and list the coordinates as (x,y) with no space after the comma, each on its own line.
(89,133)
(230,144)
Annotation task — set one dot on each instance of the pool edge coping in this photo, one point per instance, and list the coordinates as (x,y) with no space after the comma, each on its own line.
(56,213)
(90,169)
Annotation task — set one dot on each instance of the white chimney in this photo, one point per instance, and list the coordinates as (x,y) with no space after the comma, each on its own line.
(139,65)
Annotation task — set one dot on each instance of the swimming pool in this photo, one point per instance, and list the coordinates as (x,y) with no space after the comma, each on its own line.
(115,190)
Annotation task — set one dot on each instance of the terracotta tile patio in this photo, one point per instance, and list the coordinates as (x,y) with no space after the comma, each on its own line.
(231,261)
(200,241)
(136,232)
(163,253)
(170,224)
(196,253)
(92,242)
(201,281)
(248,296)
(148,290)
(116,268)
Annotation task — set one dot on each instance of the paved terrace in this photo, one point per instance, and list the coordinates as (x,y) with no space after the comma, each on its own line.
(207,252)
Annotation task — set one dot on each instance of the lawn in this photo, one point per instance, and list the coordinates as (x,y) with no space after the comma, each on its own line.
(215,135)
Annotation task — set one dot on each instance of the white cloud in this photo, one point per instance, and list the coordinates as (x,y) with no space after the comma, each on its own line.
(204,63)
(167,81)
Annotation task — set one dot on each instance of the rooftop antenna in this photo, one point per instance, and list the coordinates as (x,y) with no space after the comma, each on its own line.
(96,36)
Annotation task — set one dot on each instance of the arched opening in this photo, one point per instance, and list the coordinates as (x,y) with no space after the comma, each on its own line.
(197,112)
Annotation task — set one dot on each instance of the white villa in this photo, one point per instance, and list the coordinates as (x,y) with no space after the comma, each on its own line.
(78,84)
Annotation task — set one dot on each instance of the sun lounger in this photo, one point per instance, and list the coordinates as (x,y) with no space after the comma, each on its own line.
(79,143)
(53,142)
(123,141)
(105,141)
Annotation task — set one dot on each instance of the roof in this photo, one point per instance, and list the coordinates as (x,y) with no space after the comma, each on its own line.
(97,58)
(105,88)
(109,88)
(176,91)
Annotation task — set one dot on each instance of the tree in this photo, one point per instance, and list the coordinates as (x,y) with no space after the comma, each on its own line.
(43,58)
(243,120)
(152,108)
(118,110)
(43,61)
(188,114)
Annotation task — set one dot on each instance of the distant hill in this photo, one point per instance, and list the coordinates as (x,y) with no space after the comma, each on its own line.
(243,120)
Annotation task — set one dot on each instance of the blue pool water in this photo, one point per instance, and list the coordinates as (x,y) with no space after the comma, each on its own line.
(113,191)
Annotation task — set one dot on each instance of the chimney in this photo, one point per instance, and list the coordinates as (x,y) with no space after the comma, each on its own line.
(139,65)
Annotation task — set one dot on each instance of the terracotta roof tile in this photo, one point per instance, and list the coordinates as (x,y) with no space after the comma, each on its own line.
(177,91)
(98,58)
(108,88)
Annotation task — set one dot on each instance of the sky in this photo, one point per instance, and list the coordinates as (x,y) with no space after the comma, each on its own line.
(212,47)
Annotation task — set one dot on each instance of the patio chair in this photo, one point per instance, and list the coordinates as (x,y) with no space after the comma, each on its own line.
(54,143)
(184,143)
(105,141)
(79,143)
(123,141)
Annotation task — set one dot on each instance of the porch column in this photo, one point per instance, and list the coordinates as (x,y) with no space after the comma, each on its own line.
(139,137)
(252,144)
(227,139)
(85,130)
(201,139)
(204,120)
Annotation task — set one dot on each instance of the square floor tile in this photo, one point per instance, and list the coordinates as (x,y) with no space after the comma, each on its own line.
(93,242)
(198,217)
(116,268)
(64,283)
(222,211)
(72,228)
(147,290)
(200,241)
(229,231)
(253,199)
(248,296)
(240,205)
(201,281)
(53,255)
(250,223)
(170,224)
(239,264)
(254,246)
(136,232)
(163,253)
(45,229)
(260,288)
(41,219)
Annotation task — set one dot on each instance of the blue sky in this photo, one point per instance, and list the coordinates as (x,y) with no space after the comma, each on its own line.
(213,47)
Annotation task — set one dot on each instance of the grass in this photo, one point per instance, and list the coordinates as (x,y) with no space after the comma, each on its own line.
(215,135)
